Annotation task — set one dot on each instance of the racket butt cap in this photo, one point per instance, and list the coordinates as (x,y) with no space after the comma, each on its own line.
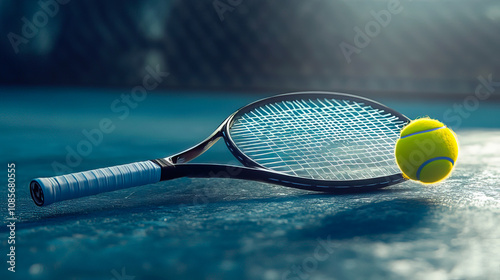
(36,191)
(43,191)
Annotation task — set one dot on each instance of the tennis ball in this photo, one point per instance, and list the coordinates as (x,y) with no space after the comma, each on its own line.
(426,151)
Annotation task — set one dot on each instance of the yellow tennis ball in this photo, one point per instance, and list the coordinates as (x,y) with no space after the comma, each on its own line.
(426,151)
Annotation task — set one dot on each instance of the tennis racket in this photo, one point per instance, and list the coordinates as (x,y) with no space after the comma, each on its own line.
(319,141)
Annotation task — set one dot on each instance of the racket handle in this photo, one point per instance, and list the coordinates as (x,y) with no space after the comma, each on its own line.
(45,191)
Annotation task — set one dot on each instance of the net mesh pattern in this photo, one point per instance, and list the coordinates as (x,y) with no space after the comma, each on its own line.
(325,139)
(430,47)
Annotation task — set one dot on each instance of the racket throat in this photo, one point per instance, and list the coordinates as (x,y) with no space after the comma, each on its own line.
(168,170)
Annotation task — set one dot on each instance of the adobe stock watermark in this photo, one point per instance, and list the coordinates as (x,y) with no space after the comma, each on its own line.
(309,264)
(223,6)
(470,104)
(203,198)
(363,37)
(121,106)
(454,116)
(40,19)
(11,218)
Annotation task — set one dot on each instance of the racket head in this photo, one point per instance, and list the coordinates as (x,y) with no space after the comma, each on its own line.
(318,139)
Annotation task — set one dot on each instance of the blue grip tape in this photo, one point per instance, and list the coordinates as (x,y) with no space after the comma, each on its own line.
(96,181)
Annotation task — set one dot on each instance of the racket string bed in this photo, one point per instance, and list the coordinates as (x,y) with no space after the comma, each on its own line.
(322,139)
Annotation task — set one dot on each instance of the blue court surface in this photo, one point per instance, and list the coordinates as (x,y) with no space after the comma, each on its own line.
(231,229)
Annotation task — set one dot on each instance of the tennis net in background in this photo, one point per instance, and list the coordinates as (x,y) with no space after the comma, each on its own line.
(430,46)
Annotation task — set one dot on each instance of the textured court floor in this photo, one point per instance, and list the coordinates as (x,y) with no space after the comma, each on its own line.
(229,229)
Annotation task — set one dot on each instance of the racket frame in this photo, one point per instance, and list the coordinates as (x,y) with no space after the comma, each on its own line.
(177,166)
(76,185)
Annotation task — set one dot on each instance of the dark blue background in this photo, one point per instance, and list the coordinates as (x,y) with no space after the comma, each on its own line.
(429,47)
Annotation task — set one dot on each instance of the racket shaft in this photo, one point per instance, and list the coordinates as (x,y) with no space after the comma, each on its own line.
(45,191)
